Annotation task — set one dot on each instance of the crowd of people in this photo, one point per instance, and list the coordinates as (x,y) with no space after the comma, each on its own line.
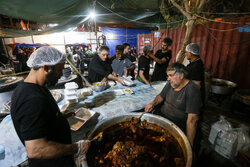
(79,55)
(44,130)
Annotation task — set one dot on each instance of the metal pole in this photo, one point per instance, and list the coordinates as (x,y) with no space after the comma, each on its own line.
(5,49)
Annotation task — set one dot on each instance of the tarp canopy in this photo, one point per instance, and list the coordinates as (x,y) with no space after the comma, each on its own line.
(68,14)
(44,11)
(117,36)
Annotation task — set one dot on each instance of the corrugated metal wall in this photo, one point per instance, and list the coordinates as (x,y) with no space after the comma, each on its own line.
(225,47)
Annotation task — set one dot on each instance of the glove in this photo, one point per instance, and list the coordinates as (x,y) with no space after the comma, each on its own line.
(83,146)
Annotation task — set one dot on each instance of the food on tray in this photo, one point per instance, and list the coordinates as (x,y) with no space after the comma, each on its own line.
(128,91)
(96,84)
(75,123)
(83,113)
(86,92)
(64,107)
(56,95)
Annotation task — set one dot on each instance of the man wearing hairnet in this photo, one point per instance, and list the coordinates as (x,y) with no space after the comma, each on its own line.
(36,117)
(195,67)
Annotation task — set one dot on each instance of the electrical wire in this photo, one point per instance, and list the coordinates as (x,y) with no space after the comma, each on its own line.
(213,29)
(135,20)
(215,20)
(224,43)
(243,13)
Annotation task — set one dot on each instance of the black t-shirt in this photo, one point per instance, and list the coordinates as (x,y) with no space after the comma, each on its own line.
(130,57)
(35,115)
(144,65)
(159,73)
(178,104)
(196,73)
(99,69)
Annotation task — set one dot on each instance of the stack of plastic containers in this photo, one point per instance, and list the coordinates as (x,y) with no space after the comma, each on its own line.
(70,92)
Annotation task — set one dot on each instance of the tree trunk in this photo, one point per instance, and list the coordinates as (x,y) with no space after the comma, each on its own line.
(187,39)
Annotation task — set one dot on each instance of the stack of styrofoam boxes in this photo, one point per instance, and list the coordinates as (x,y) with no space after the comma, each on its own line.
(70,92)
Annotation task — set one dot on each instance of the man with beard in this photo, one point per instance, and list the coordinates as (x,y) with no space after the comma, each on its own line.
(39,124)
(162,57)
(180,101)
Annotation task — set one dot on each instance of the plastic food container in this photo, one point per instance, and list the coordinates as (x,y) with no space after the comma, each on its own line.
(98,86)
(71,85)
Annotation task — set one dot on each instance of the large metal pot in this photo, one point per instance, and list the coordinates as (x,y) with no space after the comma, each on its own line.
(222,87)
(154,119)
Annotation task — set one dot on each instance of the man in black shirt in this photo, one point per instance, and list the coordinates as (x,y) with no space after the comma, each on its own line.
(162,58)
(180,101)
(195,67)
(39,124)
(100,69)
(144,65)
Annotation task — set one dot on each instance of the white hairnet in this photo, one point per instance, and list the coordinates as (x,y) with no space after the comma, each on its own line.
(193,48)
(147,48)
(46,55)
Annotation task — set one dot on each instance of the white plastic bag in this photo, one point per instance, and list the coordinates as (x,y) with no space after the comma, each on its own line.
(226,143)
(221,125)
(243,139)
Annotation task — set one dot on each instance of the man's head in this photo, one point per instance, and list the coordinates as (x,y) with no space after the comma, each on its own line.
(103,52)
(50,60)
(126,48)
(119,51)
(192,50)
(147,50)
(54,73)
(166,43)
(176,73)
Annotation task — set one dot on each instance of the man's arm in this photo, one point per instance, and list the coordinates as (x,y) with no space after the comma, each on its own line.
(112,77)
(158,99)
(159,61)
(43,149)
(143,77)
(192,122)
(131,67)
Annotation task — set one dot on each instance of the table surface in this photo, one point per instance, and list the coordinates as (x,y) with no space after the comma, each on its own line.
(104,103)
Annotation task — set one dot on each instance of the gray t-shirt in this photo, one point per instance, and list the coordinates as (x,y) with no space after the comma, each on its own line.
(178,104)
(118,66)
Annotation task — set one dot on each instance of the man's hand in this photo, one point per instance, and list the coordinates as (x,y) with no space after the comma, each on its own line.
(121,80)
(150,54)
(115,74)
(149,108)
(83,146)
(69,114)
(104,80)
